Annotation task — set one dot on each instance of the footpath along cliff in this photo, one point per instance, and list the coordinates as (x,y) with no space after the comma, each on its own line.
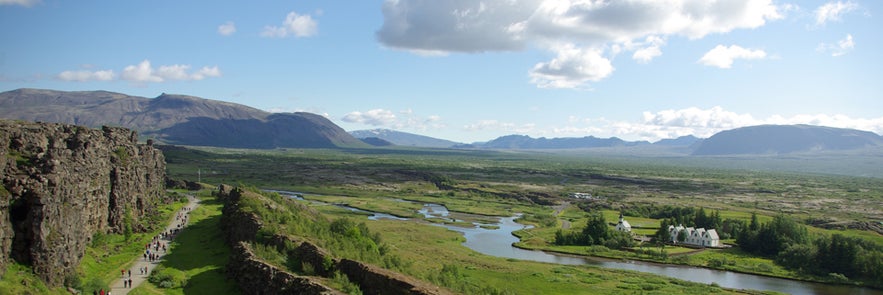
(61,184)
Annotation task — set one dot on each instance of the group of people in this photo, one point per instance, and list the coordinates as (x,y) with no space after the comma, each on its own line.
(152,251)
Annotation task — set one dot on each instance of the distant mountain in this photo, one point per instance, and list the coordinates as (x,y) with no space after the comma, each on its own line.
(527,142)
(687,140)
(404,138)
(177,119)
(784,139)
(376,141)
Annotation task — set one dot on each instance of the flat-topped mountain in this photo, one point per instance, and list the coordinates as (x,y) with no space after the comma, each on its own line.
(177,119)
(783,139)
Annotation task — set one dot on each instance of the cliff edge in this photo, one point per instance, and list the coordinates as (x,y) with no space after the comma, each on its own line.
(61,184)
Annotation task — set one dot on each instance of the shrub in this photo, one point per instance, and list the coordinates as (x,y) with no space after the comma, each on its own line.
(73,281)
(168,278)
(94,285)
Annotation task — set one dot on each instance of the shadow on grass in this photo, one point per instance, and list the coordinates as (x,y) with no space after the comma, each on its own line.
(199,251)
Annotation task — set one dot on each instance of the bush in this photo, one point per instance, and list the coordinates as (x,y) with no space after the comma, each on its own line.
(73,281)
(836,277)
(168,278)
(94,285)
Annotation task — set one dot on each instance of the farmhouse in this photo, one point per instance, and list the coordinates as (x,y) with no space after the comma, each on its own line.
(694,236)
(623,225)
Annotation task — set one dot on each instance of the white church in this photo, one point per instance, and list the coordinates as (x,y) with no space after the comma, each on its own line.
(623,225)
(695,236)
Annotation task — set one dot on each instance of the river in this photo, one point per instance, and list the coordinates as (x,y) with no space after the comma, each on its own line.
(498,240)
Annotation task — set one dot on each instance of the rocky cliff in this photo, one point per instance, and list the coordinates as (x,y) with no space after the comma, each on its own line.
(242,226)
(61,184)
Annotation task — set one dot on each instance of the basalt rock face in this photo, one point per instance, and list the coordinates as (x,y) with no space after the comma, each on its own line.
(257,277)
(254,276)
(376,280)
(61,184)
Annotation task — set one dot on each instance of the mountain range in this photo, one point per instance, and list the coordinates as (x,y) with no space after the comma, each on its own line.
(189,120)
(177,119)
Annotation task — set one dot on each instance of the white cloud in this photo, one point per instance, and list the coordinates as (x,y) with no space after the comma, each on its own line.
(25,3)
(294,24)
(405,120)
(650,51)
(723,56)
(375,117)
(494,125)
(144,73)
(833,11)
(842,46)
(571,68)
(469,26)
(227,29)
(85,76)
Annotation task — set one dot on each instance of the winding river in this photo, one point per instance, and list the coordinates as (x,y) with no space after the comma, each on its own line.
(498,242)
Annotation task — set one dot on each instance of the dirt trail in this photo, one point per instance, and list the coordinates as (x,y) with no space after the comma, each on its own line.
(179,221)
(565,224)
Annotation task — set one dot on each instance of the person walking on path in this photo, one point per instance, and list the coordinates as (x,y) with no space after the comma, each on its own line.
(123,285)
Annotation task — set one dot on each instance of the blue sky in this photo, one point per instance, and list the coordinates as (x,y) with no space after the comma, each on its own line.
(469,70)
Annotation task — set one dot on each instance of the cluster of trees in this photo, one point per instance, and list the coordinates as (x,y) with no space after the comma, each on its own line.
(837,256)
(596,232)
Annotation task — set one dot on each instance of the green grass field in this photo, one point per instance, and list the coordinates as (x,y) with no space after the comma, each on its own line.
(200,253)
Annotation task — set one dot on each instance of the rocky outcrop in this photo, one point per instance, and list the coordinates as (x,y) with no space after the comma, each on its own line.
(375,280)
(257,277)
(237,224)
(61,184)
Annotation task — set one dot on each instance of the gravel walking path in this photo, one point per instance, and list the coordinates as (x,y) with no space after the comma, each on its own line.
(179,221)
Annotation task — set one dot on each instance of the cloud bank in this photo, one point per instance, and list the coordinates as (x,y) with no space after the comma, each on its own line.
(405,119)
(143,72)
(583,35)
(706,122)
(665,124)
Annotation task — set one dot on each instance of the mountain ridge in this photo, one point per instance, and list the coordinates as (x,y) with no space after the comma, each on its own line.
(785,139)
(177,119)
(404,138)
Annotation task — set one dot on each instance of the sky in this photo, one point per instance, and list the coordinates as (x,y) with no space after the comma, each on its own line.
(468,70)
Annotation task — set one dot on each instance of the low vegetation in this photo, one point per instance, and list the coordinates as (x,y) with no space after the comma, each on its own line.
(655,195)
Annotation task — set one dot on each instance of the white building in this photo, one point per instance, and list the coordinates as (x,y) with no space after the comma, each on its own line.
(623,225)
(696,237)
